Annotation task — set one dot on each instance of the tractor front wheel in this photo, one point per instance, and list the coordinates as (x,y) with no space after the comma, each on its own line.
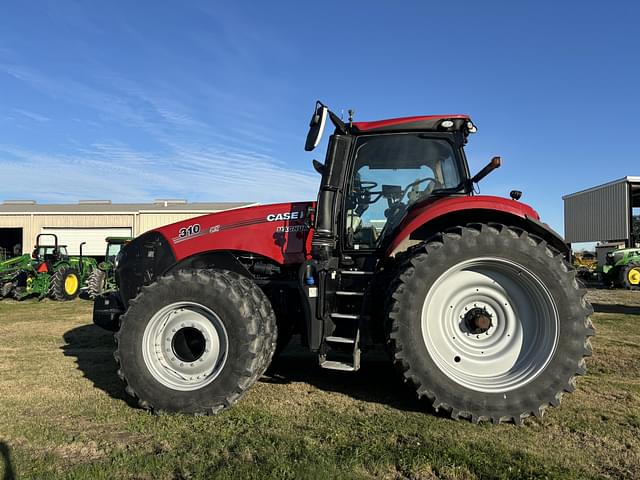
(488,323)
(95,283)
(195,341)
(65,284)
(6,289)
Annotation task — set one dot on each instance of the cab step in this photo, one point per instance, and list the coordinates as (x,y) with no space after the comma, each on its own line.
(333,339)
(349,316)
(335,365)
(341,359)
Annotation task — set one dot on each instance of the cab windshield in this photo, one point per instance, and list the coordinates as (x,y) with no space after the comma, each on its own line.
(112,251)
(391,173)
(51,250)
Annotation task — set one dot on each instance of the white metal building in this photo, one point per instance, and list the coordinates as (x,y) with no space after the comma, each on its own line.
(602,213)
(92,221)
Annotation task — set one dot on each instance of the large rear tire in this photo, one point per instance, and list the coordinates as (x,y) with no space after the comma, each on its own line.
(65,284)
(195,341)
(630,276)
(487,322)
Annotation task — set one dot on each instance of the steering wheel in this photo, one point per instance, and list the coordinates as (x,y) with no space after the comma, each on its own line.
(419,181)
(363,191)
(414,194)
(367,186)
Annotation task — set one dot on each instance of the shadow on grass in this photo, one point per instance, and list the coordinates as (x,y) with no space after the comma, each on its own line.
(93,349)
(5,453)
(615,308)
(375,382)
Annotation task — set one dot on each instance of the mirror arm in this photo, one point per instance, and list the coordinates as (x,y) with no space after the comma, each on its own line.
(318,166)
(339,124)
(490,167)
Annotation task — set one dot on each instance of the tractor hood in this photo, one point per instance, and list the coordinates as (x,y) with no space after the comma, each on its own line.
(279,231)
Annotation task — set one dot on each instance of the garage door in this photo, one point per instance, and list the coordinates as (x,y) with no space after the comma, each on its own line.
(95,246)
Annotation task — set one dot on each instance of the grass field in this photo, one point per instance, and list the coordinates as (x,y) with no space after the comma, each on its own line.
(64,414)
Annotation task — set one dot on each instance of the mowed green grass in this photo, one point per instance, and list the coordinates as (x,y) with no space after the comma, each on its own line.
(64,414)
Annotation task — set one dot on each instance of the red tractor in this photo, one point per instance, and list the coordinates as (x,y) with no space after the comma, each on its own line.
(472,295)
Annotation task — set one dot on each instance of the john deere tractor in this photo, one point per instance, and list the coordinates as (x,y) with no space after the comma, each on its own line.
(622,268)
(102,280)
(50,272)
(9,270)
(472,295)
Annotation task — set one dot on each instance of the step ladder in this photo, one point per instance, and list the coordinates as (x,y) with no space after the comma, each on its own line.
(342,351)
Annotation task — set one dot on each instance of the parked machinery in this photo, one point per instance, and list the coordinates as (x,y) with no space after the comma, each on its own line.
(622,268)
(472,295)
(102,280)
(50,271)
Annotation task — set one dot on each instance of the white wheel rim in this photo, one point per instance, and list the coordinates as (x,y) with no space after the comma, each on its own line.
(523,332)
(185,346)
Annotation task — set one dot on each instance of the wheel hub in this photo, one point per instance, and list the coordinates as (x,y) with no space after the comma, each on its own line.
(71,284)
(478,320)
(634,276)
(188,344)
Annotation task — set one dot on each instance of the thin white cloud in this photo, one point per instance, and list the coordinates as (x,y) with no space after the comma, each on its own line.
(32,115)
(122,174)
(191,159)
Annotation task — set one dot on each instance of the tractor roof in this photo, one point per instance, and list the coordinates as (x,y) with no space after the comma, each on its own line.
(423,123)
(118,239)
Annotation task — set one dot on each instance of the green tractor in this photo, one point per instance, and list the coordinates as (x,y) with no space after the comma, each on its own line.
(51,272)
(102,280)
(622,268)
(9,269)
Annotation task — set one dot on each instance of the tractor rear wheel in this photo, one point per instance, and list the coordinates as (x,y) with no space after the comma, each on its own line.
(630,276)
(65,284)
(195,341)
(488,323)
(95,283)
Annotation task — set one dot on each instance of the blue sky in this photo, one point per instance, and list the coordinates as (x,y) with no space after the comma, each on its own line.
(210,101)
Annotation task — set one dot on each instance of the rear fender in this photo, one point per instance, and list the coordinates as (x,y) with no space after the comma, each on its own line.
(428,220)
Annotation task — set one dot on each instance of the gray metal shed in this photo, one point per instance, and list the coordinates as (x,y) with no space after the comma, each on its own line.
(602,213)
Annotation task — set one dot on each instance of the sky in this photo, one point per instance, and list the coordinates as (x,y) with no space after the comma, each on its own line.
(210,101)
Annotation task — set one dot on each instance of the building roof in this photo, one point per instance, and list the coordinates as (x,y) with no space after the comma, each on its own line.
(634,181)
(106,207)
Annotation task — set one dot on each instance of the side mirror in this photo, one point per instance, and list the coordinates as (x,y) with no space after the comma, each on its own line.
(490,167)
(318,166)
(316,126)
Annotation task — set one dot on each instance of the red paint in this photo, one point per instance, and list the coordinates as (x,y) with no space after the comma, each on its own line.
(43,268)
(364,126)
(431,211)
(249,230)
(245,229)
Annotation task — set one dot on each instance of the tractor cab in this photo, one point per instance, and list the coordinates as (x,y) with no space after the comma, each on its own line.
(114,245)
(376,173)
(47,256)
(50,252)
